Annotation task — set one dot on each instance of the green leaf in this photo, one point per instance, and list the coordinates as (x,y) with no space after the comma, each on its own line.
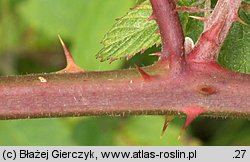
(96,131)
(131,34)
(36,132)
(99,17)
(235,53)
(224,136)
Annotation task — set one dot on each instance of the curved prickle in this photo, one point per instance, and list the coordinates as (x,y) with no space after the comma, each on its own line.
(71,66)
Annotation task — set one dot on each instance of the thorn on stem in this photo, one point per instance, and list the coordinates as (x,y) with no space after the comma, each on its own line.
(155,54)
(168,119)
(204,19)
(144,75)
(238,19)
(191,112)
(151,17)
(71,65)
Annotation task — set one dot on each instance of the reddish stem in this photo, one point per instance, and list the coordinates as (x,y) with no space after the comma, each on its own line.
(171,32)
(124,92)
(216,29)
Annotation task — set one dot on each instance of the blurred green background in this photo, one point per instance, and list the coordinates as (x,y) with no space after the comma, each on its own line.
(29,44)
